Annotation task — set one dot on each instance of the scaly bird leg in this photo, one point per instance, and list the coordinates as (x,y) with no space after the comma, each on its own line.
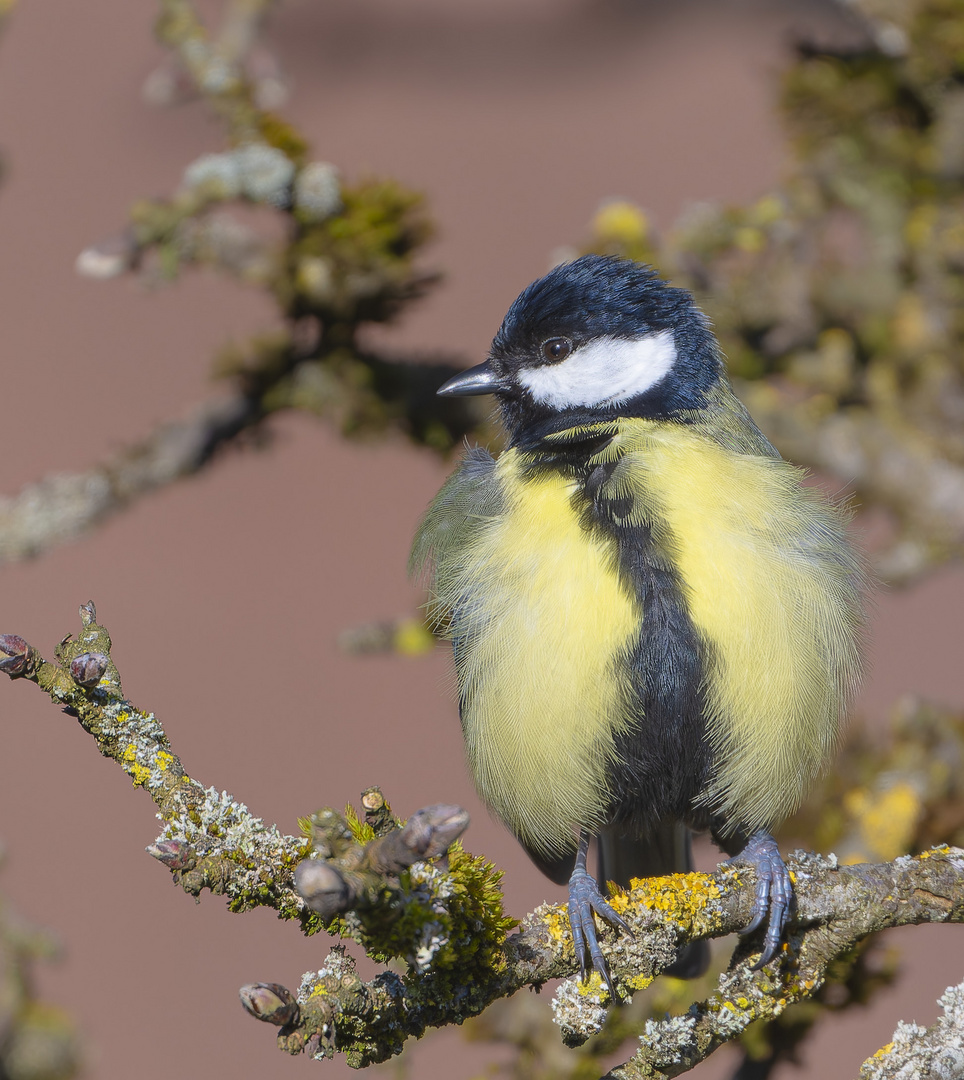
(584,899)
(774,892)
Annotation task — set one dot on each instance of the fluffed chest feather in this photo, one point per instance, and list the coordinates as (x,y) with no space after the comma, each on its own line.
(542,626)
(670,628)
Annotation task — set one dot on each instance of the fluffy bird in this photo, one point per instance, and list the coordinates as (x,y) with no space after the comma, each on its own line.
(655,623)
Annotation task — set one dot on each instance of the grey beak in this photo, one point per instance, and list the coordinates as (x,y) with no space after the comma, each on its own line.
(477,380)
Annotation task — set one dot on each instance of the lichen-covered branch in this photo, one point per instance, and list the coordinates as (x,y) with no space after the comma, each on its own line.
(444,920)
(63,506)
(208,840)
(914,1051)
(346,257)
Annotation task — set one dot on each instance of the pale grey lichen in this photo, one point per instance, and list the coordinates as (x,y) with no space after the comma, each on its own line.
(674,1037)
(908,1032)
(121,717)
(225,826)
(219,174)
(432,938)
(260,173)
(317,193)
(952,1002)
(431,887)
(217,76)
(936,1053)
(578,1008)
(729,1019)
(431,884)
(266,174)
(338,965)
(812,860)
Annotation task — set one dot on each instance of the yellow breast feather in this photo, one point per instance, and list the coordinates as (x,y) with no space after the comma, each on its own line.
(539,636)
(773,592)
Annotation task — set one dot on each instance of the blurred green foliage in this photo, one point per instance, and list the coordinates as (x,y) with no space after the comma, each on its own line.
(37,1040)
(838,298)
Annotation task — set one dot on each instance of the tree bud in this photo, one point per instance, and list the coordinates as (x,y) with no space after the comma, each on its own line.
(271,1002)
(322,887)
(14,654)
(174,854)
(430,832)
(88,668)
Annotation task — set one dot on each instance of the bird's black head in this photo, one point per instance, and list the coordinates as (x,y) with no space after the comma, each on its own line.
(595,339)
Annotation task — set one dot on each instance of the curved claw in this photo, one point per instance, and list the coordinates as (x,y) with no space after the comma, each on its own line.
(584,899)
(774,893)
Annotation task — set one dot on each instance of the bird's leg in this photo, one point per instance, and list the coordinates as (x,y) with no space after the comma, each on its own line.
(584,899)
(774,892)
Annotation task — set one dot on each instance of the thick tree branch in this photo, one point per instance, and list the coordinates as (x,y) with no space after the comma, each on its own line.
(446,922)
(363,392)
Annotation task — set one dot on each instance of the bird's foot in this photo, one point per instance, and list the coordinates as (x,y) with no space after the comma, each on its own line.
(774,892)
(584,899)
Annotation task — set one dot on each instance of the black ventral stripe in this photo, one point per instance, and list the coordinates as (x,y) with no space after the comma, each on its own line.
(662,760)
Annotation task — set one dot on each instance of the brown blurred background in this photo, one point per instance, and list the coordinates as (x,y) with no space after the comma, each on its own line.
(516,117)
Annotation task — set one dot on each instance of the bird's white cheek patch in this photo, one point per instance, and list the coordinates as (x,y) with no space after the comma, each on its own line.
(604,372)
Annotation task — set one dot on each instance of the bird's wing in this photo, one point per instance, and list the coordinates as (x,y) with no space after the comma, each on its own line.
(471,496)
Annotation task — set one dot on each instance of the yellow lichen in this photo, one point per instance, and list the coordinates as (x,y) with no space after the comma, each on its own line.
(591,986)
(886,820)
(749,239)
(138,773)
(943,849)
(164,760)
(557,924)
(680,896)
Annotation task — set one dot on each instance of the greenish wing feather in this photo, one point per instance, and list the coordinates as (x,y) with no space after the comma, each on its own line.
(726,421)
(471,496)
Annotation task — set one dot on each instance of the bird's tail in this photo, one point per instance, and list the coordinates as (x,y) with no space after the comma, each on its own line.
(666,850)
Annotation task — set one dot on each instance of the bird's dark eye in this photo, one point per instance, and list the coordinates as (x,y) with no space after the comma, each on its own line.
(555,349)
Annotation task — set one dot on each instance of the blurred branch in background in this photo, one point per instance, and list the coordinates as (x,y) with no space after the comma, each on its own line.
(37,1041)
(334,256)
(838,297)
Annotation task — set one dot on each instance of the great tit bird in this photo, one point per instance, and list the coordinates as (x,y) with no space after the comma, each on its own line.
(656,623)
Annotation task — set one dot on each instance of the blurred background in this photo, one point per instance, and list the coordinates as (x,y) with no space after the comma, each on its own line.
(226,593)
